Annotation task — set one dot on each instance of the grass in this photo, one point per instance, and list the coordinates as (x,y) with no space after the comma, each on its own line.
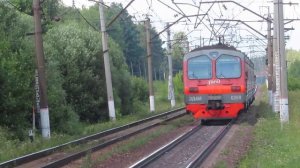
(221,164)
(133,144)
(11,148)
(276,144)
(161,96)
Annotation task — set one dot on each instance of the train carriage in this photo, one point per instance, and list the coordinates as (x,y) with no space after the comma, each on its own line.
(219,82)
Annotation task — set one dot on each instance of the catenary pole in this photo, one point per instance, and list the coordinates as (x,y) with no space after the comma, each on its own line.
(270,60)
(171,94)
(276,67)
(110,96)
(149,57)
(284,109)
(44,110)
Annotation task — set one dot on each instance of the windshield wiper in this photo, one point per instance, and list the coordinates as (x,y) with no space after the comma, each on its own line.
(221,75)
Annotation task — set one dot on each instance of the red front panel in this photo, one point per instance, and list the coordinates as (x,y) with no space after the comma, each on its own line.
(200,111)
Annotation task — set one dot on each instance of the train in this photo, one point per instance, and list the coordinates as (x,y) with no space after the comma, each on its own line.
(219,82)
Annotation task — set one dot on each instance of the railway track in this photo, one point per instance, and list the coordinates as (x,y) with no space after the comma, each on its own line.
(112,136)
(188,150)
(200,158)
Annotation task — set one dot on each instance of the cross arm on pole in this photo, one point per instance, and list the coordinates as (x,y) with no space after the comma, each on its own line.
(226,1)
(242,23)
(167,27)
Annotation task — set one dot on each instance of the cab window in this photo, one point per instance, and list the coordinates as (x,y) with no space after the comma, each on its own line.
(228,66)
(200,67)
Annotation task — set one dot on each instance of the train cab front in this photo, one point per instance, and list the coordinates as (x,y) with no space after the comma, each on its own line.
(214,106)
(214,82)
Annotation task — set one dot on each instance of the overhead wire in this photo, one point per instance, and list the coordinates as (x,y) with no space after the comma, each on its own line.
(87,20)
(197,13)
(17,8)
(170,7)
(180,9)
(216,30)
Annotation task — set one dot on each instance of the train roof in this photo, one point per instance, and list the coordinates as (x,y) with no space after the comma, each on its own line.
(216,46)
(223,47)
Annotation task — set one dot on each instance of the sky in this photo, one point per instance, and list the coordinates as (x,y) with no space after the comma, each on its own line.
(235,33)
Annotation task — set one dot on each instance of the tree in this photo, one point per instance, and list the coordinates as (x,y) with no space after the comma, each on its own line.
(74,69)
(129,39)
(292,56)
(75,51)
(179,48)
(49,10)
(123,31)
(159,59)
(293,69)
(16,71)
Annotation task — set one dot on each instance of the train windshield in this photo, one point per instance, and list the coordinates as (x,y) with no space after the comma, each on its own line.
(200,67)
(228,66)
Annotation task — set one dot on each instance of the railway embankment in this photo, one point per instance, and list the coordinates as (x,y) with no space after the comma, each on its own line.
(276,144)
(260,140)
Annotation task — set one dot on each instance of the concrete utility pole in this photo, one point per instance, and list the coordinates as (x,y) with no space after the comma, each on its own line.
(44,111)
(284,109)
(110,96)
(270,60)
(149,57)
(276,67)
(171,95)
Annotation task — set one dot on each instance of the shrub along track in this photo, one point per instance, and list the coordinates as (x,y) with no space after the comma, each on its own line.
(45,157)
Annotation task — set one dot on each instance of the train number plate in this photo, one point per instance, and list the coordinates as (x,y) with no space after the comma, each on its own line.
(214,97)
(194,98)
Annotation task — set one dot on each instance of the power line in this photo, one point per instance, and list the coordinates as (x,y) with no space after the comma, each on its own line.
(17,8)
(86,20)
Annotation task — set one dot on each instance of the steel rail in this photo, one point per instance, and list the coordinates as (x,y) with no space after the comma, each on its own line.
(210,147)
(158,153)
(64,161)
(37,155)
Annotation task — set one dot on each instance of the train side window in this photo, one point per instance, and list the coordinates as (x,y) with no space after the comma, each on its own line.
(200,67)
(228,66)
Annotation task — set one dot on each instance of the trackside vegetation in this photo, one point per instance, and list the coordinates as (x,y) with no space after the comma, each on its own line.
(277,145)
(12,148)
(293,62)
(74,66)
(75,73)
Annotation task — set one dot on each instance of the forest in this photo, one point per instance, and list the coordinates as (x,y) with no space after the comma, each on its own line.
(74,65)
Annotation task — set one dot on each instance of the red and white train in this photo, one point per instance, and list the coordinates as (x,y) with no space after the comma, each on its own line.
(219,82)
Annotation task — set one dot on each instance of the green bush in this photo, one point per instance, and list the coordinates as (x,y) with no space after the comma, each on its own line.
(140,94)
(293,83)
(16,72)
(140,88)
(161,88)
(294,70)
(178,86)
(294,76)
